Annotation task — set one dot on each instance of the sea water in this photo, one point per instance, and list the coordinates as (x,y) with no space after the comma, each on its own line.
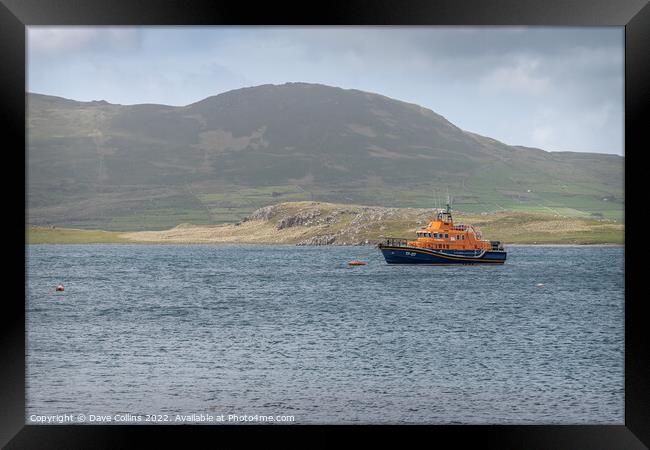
(254,331)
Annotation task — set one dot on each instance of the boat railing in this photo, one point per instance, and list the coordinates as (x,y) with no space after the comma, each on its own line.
(395,242)
(496,245)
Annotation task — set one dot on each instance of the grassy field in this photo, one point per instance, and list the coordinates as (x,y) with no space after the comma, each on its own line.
(48,235)
(328,223)
(231,204)
(223,204)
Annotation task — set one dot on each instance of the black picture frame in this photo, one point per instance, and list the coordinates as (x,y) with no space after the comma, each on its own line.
(634,15)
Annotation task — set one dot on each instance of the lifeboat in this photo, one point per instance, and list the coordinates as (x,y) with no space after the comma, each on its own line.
(444,242)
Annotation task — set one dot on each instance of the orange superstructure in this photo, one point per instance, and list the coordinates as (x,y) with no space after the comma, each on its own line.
(442,233)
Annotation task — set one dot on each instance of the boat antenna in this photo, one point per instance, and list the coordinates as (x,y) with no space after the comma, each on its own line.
(448,199)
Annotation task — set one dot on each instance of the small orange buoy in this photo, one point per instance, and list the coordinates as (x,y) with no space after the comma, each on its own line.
(356,263)
(60,288)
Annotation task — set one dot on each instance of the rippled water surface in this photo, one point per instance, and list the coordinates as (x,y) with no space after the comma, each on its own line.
(283,330)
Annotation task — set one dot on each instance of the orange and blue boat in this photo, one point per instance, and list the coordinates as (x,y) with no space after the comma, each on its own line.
(443,242)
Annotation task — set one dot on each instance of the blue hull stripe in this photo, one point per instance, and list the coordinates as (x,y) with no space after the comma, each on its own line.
(432,257)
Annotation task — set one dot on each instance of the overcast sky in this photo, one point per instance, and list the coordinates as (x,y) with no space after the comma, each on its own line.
(553,88)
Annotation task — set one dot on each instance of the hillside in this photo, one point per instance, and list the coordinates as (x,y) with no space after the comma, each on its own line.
(148,167)
(315,223)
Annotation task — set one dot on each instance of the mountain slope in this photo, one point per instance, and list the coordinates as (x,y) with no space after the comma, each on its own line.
(99,165)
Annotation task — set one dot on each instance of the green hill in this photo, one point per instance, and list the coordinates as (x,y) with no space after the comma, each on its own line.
(146,167)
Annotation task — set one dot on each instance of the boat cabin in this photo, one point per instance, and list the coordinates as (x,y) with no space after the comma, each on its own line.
(442,233)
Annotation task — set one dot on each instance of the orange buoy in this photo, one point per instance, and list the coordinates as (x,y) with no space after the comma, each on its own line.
(60,288)
(356,263)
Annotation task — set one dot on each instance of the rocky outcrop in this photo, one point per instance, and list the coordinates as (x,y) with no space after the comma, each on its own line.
(307,218)
(333,224)
(327,239)
(263,213)
(335,239)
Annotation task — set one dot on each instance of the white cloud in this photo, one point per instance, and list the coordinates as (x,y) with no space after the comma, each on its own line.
(542,136)
(56,40)
(597,118)
(519,76)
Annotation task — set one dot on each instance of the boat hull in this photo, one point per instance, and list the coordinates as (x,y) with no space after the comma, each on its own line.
(425,256)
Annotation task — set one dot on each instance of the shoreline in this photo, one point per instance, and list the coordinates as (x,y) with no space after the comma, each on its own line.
(233,244)
(319,223)
(605,244)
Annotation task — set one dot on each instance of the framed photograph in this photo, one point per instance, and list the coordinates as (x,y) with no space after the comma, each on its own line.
(265,220)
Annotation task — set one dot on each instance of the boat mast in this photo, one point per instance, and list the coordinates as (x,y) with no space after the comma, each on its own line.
(448,211)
